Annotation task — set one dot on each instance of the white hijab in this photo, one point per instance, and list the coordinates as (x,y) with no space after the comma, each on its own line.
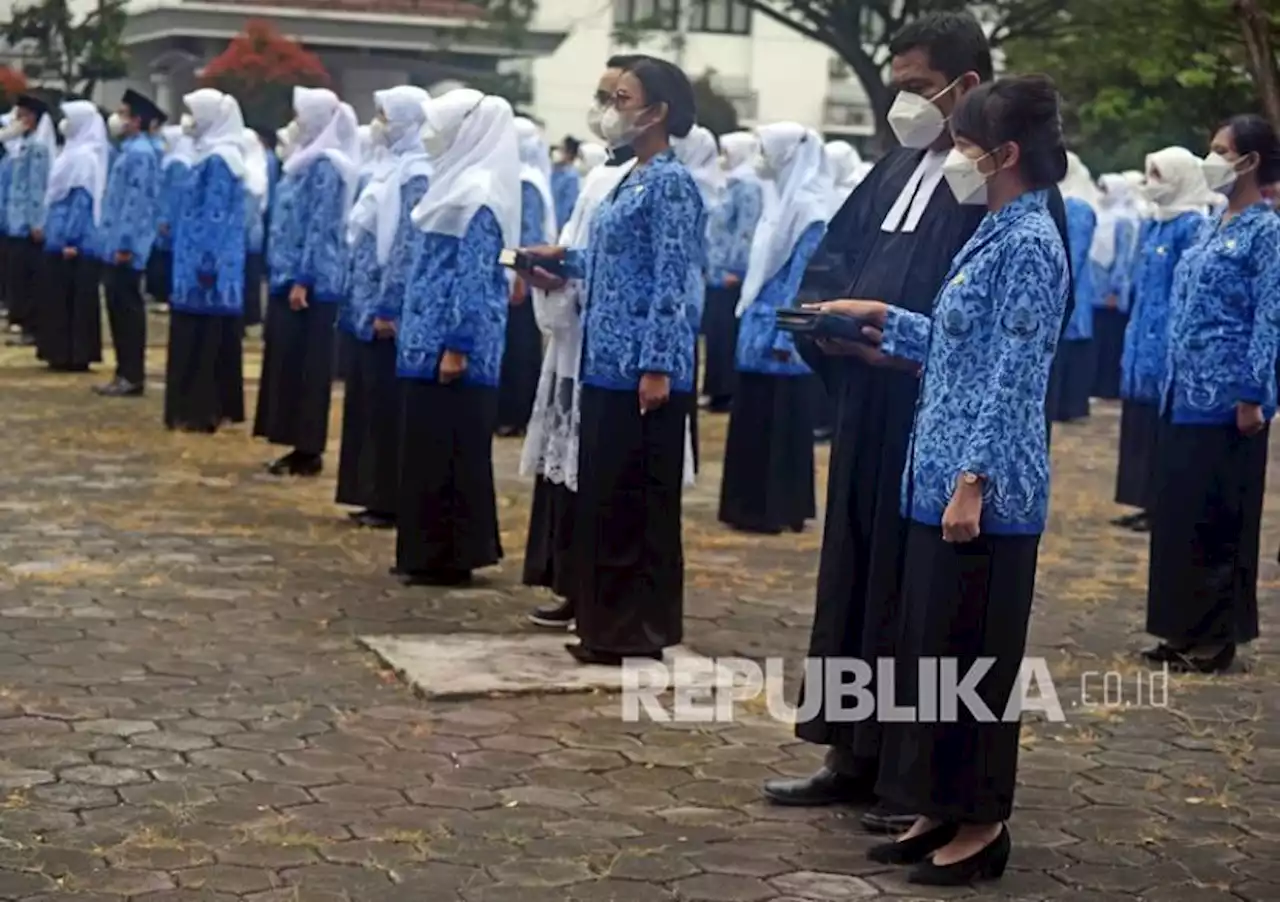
(535,168)
(257,171)
(591,157)
(1181,168)
(377,210)
(844,164)
(795,153)
(1117,205)
(1078,182)
(740,152)
(83,161)
(13,145)
(698,152)
(179,147)
(219,130)
(327,128)
(480,167)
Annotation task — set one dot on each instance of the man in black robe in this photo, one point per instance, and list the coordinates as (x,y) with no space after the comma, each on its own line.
(892,241)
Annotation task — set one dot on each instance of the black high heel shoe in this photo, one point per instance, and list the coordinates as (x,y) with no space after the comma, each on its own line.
(915,849)
(986,864)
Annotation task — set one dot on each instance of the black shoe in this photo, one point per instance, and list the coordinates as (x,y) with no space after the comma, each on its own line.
(824,787)
(821,436)
(988,864)
(121,388)
(1163,653)
(436,578)
(375,520)
(1141,524)
(886,818)
(913,850)
(559,617)
(584,655)
(295,463)
(1219,662)
(1127,521)
(510,431)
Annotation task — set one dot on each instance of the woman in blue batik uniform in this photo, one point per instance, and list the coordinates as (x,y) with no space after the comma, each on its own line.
(768,457)
(255,150)
(175,167)
(450,337)
(1216,405)
(70,336)
(976,486)
(381,235)
(644,275)
(1075,364)
(308,269)
(204,377)
(733,223)
(1176,189)
(1115,248)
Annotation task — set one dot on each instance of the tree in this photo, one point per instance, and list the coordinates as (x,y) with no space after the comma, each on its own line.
(66,52)
(260,69)
(715,112)
(859,31)
(12,83)
(1138,75)
(1258,30)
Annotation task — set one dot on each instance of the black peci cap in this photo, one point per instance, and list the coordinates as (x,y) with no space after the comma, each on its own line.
(34,104)
(143,107)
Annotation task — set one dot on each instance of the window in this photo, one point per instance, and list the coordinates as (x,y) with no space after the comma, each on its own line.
(721,17)
(656,14)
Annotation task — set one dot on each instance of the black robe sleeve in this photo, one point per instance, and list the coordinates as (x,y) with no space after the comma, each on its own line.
(1058,210)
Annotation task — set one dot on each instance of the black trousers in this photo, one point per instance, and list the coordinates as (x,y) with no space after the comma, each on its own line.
(127,315)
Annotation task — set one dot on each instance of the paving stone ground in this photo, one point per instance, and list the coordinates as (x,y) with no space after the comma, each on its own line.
(186,715)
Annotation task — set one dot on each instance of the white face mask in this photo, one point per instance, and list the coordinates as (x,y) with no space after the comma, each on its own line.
(620,129)
(762,167)
(1219,172)
(115,125)
(378,132)
(964,178)
(916,121)
(1158,192)
(433,142)
(188,124)
(594,115)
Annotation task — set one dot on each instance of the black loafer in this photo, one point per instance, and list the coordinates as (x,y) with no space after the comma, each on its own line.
(824,787)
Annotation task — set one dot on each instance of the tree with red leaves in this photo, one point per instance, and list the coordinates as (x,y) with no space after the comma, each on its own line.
(260,68)
(12,83)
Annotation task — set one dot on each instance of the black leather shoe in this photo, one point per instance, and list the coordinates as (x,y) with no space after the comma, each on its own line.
(1219,662)
(886,818)
(913,850)
(295,463)
(557,617)
(825,787)
(375,520)
(988,864)
(121,388)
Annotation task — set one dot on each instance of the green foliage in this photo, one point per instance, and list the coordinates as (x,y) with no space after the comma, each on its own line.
(72,53)
(1139,75)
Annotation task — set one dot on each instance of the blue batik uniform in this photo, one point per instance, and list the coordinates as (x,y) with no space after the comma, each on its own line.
(1116,280)
(25,207)
(456,300)
(173,178)
(1146,338)
(647,240)
(6,179)
(131,205)
(1081,222)
(209,246)
(378,291)
(762,346)
(566,185)
(1225,323)
(308,229)
(69,222)
(987,350)
(733,224)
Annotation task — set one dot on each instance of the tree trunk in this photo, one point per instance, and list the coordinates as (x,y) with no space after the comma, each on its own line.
(1256,27)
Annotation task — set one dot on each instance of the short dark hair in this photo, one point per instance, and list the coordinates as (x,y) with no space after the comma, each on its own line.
(954,42)
(1254,134)
(1024,110)
(571,144)
(623,61)
(665,82)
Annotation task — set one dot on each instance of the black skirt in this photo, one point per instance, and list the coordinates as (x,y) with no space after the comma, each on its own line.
(1071,381)
(1139,426)
(204,373)
(447,516)
(369,465)
(160,276)
(5,244)
(253,274)
(627,527)
(1203,578)
(548,553)
(720,331)
(70,334)
(768,482)
(1108,335)
(26,262)
(962,602)
(521,367)
(297,376)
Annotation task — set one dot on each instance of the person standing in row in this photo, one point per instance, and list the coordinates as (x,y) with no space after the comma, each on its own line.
(733,223)
(257,156)
(381,236)
(25,213)
(1112,259)
(522,356)
(1076,363)
(308,280)
(644,275)
(70,337)
(846,169)
(1176,187)
(768,483)
(175,168)
(130,217)
(566,181)
(449,340)
(204,378)
(1217,401)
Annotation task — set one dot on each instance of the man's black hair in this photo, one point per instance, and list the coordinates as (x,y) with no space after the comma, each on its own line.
(954,42)
(623,60)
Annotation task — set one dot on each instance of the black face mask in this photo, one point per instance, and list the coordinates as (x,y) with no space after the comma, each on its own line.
(620,155)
